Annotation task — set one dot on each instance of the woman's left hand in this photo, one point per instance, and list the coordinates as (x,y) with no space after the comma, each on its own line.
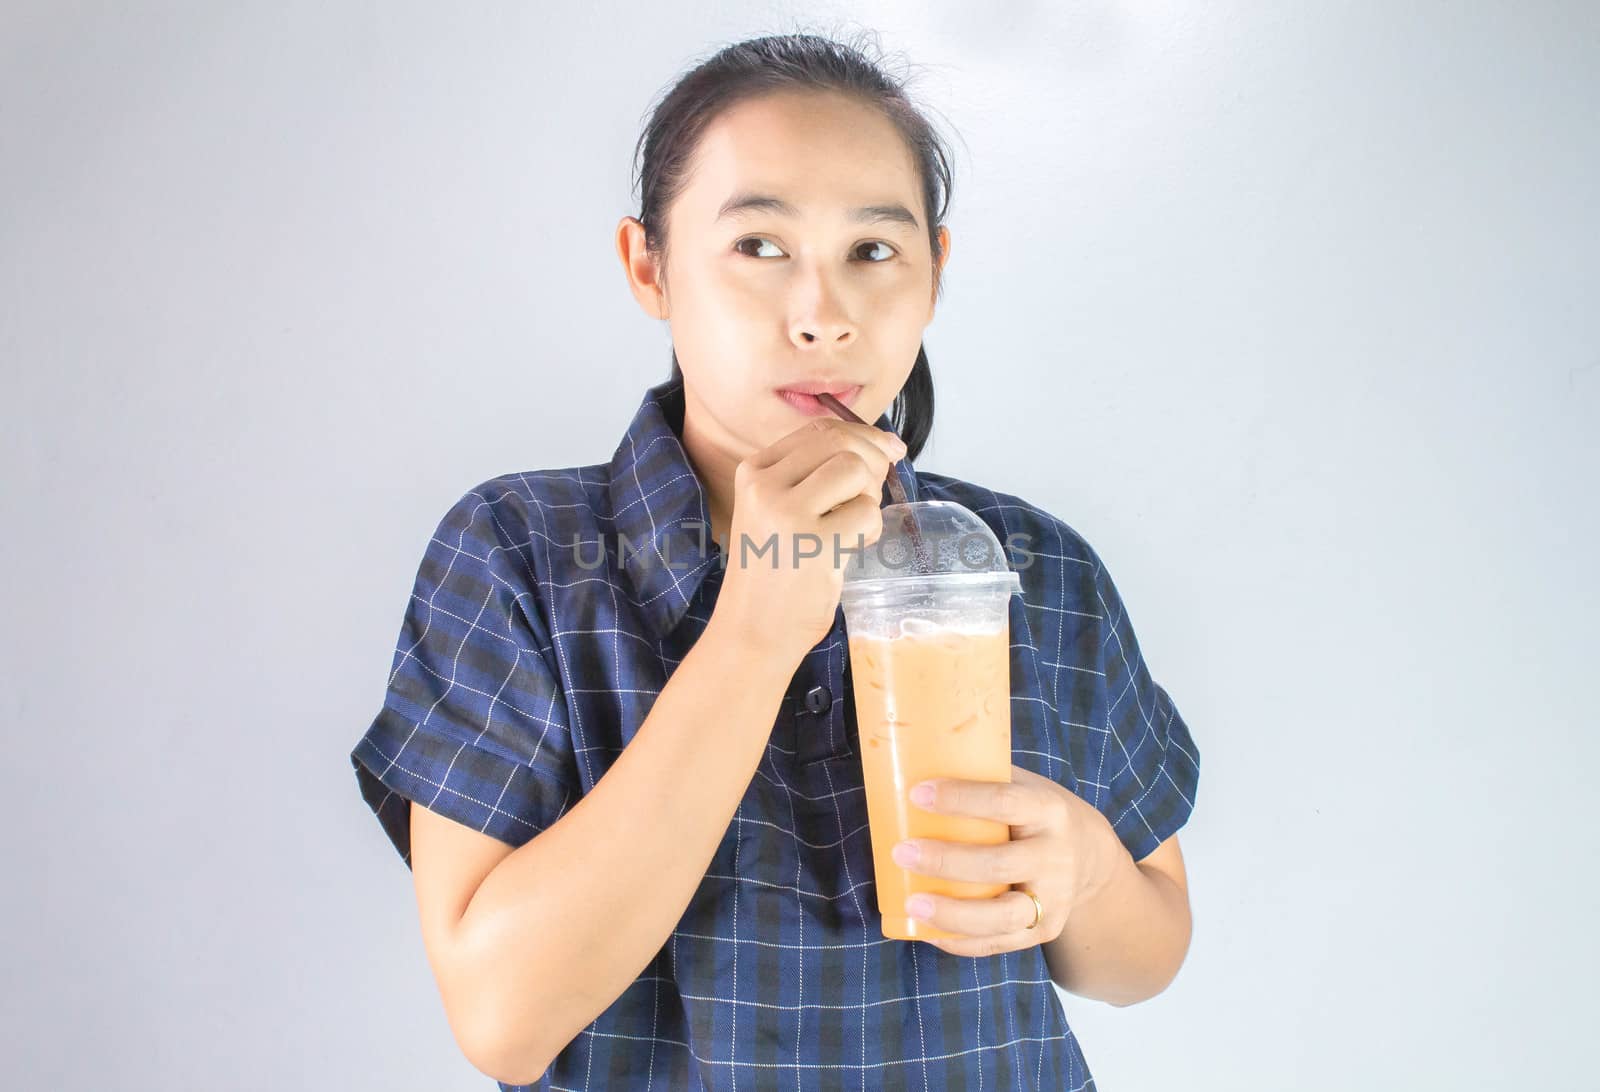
(1060,850)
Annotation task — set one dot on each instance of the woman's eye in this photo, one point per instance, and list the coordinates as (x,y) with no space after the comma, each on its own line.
(741,248)
(740,245)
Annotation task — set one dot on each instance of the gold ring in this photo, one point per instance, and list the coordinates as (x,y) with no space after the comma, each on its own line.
(1038,909)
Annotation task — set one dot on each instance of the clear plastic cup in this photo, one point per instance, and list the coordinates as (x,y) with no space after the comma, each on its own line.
(927,613)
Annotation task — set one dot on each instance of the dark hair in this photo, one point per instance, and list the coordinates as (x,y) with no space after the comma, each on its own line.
(810,62)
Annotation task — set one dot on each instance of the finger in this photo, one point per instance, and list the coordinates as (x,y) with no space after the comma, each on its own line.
(1018,803)
(1008,862)
(972,947)
(856,523)
(892,446)
(846,474)
(802,463)
(821,436)
(1010,912)
(780,449)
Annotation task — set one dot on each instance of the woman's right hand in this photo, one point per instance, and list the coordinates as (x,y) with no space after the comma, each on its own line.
(820,484)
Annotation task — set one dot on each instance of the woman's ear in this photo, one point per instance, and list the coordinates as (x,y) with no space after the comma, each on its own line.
(644,278)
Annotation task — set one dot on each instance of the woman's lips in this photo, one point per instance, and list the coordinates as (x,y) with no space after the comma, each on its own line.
(811,406)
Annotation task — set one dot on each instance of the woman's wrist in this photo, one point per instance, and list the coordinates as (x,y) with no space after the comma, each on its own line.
(751,647)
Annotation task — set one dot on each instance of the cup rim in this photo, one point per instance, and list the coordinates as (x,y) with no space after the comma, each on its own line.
(989,576)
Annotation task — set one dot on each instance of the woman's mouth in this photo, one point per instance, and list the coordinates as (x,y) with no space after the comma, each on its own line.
(803,397)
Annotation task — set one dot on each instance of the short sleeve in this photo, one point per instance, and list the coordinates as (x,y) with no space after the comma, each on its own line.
(473,724)
(1149,766)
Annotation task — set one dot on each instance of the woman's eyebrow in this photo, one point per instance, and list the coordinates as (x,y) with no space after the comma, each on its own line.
(741,203)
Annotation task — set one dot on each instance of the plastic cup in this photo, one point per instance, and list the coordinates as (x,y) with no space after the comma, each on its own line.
(927,613)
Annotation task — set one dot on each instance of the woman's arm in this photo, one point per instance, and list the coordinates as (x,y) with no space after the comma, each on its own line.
(1125,942)
(559,927)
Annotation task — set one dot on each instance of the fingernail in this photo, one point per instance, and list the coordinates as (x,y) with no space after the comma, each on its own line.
(905,854)
(920,907)
(922,795)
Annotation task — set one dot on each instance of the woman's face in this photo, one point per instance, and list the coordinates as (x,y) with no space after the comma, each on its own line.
(763,297)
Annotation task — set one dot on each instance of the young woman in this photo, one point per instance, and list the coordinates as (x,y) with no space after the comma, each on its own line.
(641,854)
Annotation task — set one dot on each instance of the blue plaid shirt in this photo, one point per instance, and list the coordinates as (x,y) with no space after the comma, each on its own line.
(524,666)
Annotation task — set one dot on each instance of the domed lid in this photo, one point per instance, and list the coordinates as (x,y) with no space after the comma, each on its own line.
(930,540)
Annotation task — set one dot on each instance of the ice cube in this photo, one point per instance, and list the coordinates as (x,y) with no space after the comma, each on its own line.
(919,627)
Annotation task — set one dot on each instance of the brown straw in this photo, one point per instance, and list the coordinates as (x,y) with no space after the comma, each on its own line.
(896,490)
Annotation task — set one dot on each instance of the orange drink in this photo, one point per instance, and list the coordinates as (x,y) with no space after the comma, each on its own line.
(927,610)
(933,705)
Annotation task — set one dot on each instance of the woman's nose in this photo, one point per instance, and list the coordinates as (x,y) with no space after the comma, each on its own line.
(820,316)
(813,333)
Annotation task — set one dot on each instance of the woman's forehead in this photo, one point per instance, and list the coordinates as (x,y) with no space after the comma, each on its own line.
(825,161)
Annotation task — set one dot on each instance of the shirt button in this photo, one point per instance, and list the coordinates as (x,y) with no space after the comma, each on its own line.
(818,700)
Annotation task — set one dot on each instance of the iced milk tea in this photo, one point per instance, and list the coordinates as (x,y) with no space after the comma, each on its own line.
(932,702)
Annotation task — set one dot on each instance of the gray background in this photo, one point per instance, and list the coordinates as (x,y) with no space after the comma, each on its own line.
(1288,309)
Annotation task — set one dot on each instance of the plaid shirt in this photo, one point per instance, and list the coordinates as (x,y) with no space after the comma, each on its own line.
(525,665)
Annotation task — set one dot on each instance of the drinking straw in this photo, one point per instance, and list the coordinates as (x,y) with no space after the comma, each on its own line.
(896,490)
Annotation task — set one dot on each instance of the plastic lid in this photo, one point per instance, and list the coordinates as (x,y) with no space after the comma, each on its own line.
(923,540)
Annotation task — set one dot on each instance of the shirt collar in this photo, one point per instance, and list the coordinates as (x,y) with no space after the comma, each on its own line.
(659,506)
